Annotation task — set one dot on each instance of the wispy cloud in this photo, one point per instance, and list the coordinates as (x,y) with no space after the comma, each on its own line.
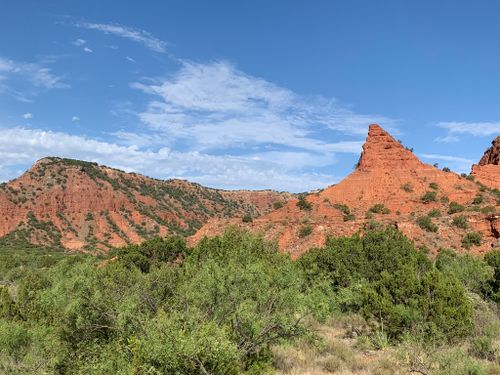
(447,139)
(21,146)
(75,118)
(35,74)
(27,116)
(216,106)
(137,35)
(477,129)
(213,124)
(83,43)
(79,42)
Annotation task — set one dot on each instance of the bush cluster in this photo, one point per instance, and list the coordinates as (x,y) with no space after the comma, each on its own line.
(429,196)
(425,222)
(455,208)
(218,307)
(379,208)
(395,286)
(303,204)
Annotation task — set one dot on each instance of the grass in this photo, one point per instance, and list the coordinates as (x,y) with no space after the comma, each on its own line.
(336,348)
(332,352)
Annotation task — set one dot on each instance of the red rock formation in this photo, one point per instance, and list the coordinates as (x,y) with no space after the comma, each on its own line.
(76,204)
(387,174)
(492,155)
(488,170)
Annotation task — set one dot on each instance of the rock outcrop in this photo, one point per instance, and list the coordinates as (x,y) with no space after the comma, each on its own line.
(390,185)
(81,205)
(487,171)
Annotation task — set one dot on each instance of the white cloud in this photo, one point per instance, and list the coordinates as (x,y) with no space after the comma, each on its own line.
(88,50)
(218,126)
(24,146)
(79,42)
(217,106)
(447,139)
(477,129)
(137,35)
(36,74)
(75,118)
(27,116)
(130,59)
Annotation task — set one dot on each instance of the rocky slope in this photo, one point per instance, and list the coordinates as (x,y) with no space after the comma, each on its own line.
(82,205)
(487,171)
(390,185)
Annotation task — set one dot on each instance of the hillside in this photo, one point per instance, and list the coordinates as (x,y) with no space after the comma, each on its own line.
(487,171)
(389,185)
(81,205)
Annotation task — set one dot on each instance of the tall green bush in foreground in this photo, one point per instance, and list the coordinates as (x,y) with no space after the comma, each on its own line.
(394,285)
(161,308)
(165,308)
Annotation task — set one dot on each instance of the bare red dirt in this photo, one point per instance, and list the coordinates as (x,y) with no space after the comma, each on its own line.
(389,186)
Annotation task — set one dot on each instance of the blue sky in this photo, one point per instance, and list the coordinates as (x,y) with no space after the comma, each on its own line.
(253,94)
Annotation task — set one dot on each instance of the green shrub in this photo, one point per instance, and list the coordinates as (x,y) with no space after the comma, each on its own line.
(151,252)
(379,208)
(349,217)
(7,304)
(433,186)
(247,218)
(217,307)
(305,230)
(478,199)
(343,208)
(482,347)
(493,260)
(460,222)
(392,284)
(488,210)
(434,213)
(407,187)
(474,273)
(472,239)
(303,204)
(347,259)
(425,222)
(429,196)
(277,205)
(446,169)
(455,208)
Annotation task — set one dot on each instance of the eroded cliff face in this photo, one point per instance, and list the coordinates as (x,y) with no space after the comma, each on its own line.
(82,205)
(487,171)
(492,155)
(390,185)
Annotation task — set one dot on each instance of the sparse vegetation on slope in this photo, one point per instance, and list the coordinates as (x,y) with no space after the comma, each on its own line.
(69,195)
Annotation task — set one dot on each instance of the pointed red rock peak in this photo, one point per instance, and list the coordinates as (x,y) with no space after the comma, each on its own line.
(492,155)
(382,151)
